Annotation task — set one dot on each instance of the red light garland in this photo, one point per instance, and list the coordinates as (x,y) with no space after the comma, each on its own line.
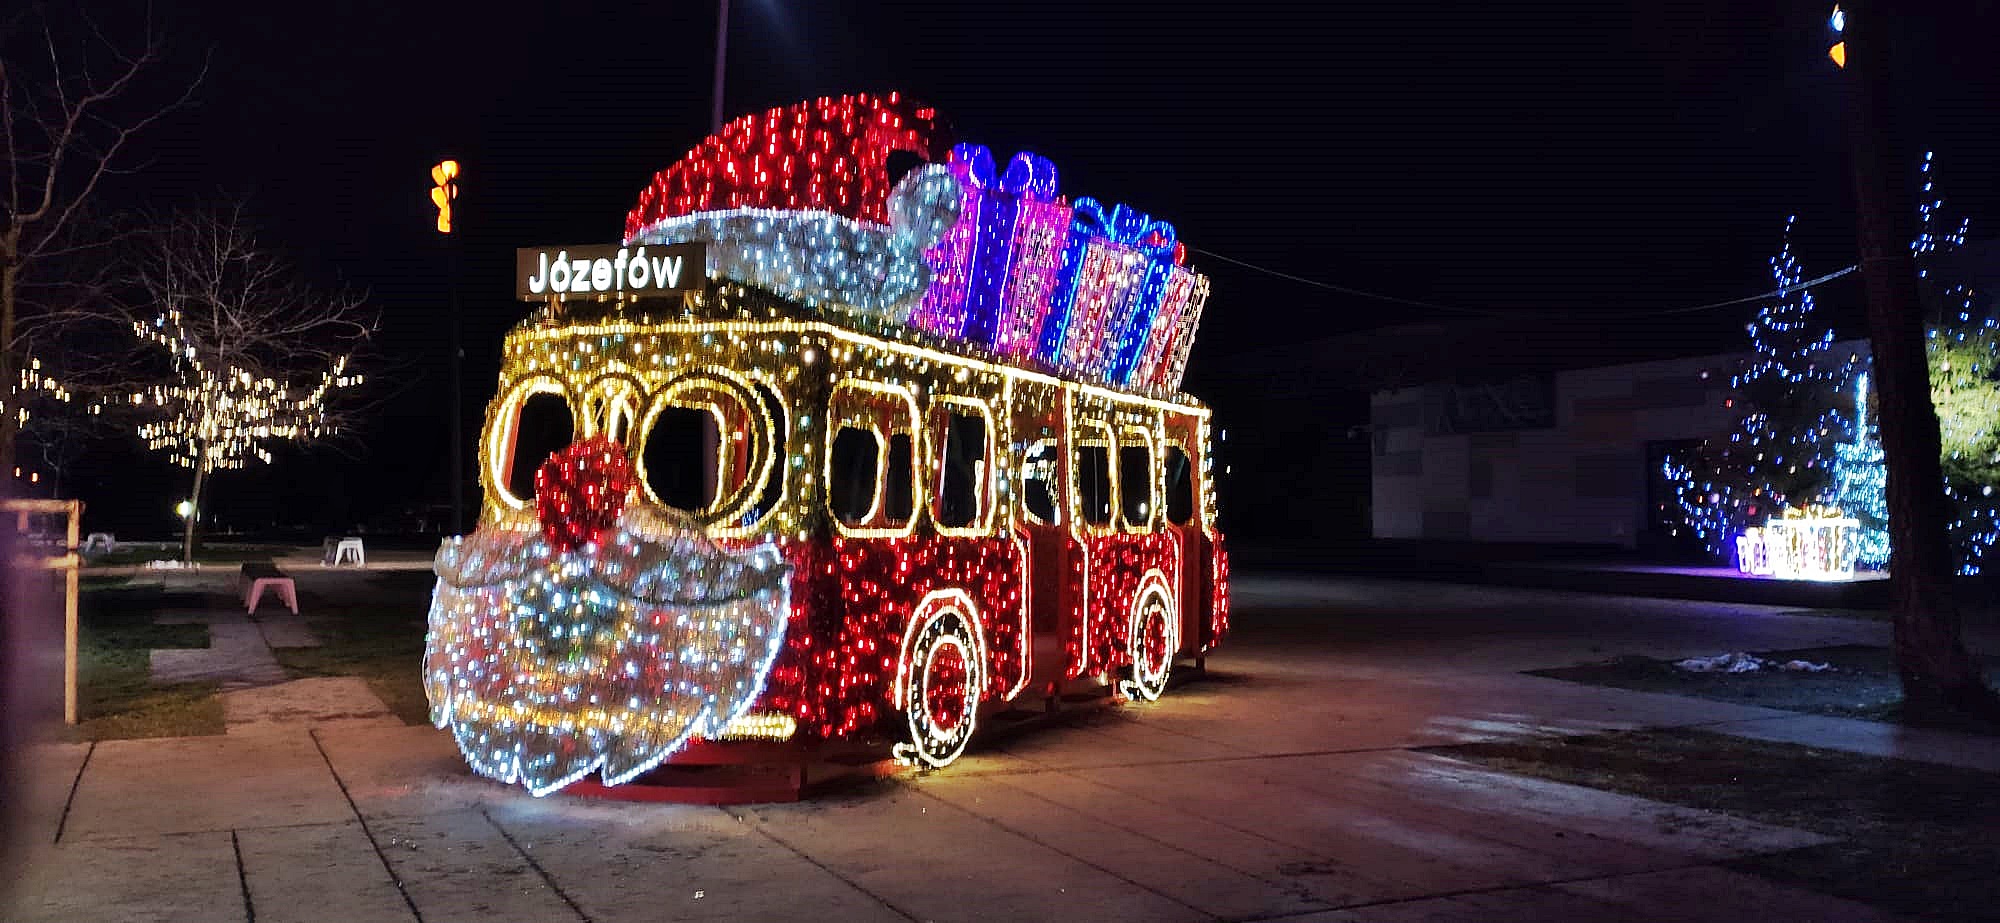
(859,595)
(580,491)
(831,155)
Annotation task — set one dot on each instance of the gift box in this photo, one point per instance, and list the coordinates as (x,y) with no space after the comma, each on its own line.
(1120,263)
(992,272)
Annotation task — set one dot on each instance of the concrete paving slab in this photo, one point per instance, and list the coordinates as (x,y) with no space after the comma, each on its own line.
(1587,814)
(1567,830)
(1256,717)
(186,878)
(1515,905)
(188,784)
(236,656)
(928,860)
(649,862)
(1288,870)
(288,707)
(1125,846)
(1424,856)
(287,631)
(458,868)
(301,874)
(45,773)
(1874,738)
(1512,831)
(1335,862)
(406,770)
(1273,787)
(1723,895)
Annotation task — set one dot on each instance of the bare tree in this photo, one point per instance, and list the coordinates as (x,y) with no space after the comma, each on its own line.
(71,101)
(248,355)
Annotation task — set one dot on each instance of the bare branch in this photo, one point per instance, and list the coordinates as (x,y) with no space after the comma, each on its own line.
(250,356)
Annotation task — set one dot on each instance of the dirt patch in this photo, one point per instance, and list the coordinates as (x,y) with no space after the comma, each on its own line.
(116,697)
(374,631)
(1862,684)
(1915,838)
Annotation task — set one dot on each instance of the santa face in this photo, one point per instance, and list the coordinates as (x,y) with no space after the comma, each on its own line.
(605,641)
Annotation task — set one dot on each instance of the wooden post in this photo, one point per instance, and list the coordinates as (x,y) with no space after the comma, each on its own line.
(70,628)
(71,562)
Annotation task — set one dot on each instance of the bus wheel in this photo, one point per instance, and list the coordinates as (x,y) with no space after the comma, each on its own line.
(945,674)
(1154,639)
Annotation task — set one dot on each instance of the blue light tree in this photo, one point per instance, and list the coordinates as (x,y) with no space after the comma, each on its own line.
(1781,451)
(1860,481)
(1964,353)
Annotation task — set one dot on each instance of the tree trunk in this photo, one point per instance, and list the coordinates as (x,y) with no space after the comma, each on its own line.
(10,276)
(194,513)
(1931,656)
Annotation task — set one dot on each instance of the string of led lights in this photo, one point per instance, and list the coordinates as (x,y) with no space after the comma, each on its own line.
(591,624)
(1824,512)
(1779,292)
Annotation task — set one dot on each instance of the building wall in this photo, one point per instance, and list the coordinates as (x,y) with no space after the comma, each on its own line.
(1571,468)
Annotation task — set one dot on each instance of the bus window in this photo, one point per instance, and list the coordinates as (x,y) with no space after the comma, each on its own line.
(680,456)
(850,488)
(541,428)
(699,446)
(961,493)
(1093,483)
(1135,485)
(871,473)
(899,487)
(1038,484)
(1180,487)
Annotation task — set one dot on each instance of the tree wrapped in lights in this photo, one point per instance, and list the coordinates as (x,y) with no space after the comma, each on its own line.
(1963,350)
(1964,353)
(72,103)
(248,356)
(1782,448)
(1965,388)
(1860,484)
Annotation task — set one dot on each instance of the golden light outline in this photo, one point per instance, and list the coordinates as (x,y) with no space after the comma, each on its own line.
(940,406)
(1152,473)
(730,503)
(501,427)
(882,430)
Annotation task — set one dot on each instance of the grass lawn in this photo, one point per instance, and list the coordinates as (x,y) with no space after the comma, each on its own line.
(1862,684)
(205,553)
(376,633)
(1915,838)
(116,697)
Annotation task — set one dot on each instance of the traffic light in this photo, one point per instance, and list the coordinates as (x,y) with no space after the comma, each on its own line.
(445,175)
(1839,50)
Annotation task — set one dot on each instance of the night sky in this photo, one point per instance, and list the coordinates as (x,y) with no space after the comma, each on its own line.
(1588,156)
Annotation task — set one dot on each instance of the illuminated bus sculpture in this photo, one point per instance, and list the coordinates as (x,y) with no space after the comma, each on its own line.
(906,451)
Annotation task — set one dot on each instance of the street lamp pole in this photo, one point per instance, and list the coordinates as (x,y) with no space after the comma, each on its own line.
(721,55)
(444,191)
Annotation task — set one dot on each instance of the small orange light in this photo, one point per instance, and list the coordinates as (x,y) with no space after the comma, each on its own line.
(445,175)
(1838,53)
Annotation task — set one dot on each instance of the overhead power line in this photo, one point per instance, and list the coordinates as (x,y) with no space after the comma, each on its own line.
(1530,312)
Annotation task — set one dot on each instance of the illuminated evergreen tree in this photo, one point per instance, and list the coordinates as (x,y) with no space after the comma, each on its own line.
(1860,482)
(1964,354)
(1781,451)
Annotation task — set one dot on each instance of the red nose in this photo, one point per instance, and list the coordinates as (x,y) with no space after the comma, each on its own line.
(580,490)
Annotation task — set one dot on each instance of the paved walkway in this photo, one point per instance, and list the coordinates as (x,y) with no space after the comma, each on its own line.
(257,696)
(1285,787)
